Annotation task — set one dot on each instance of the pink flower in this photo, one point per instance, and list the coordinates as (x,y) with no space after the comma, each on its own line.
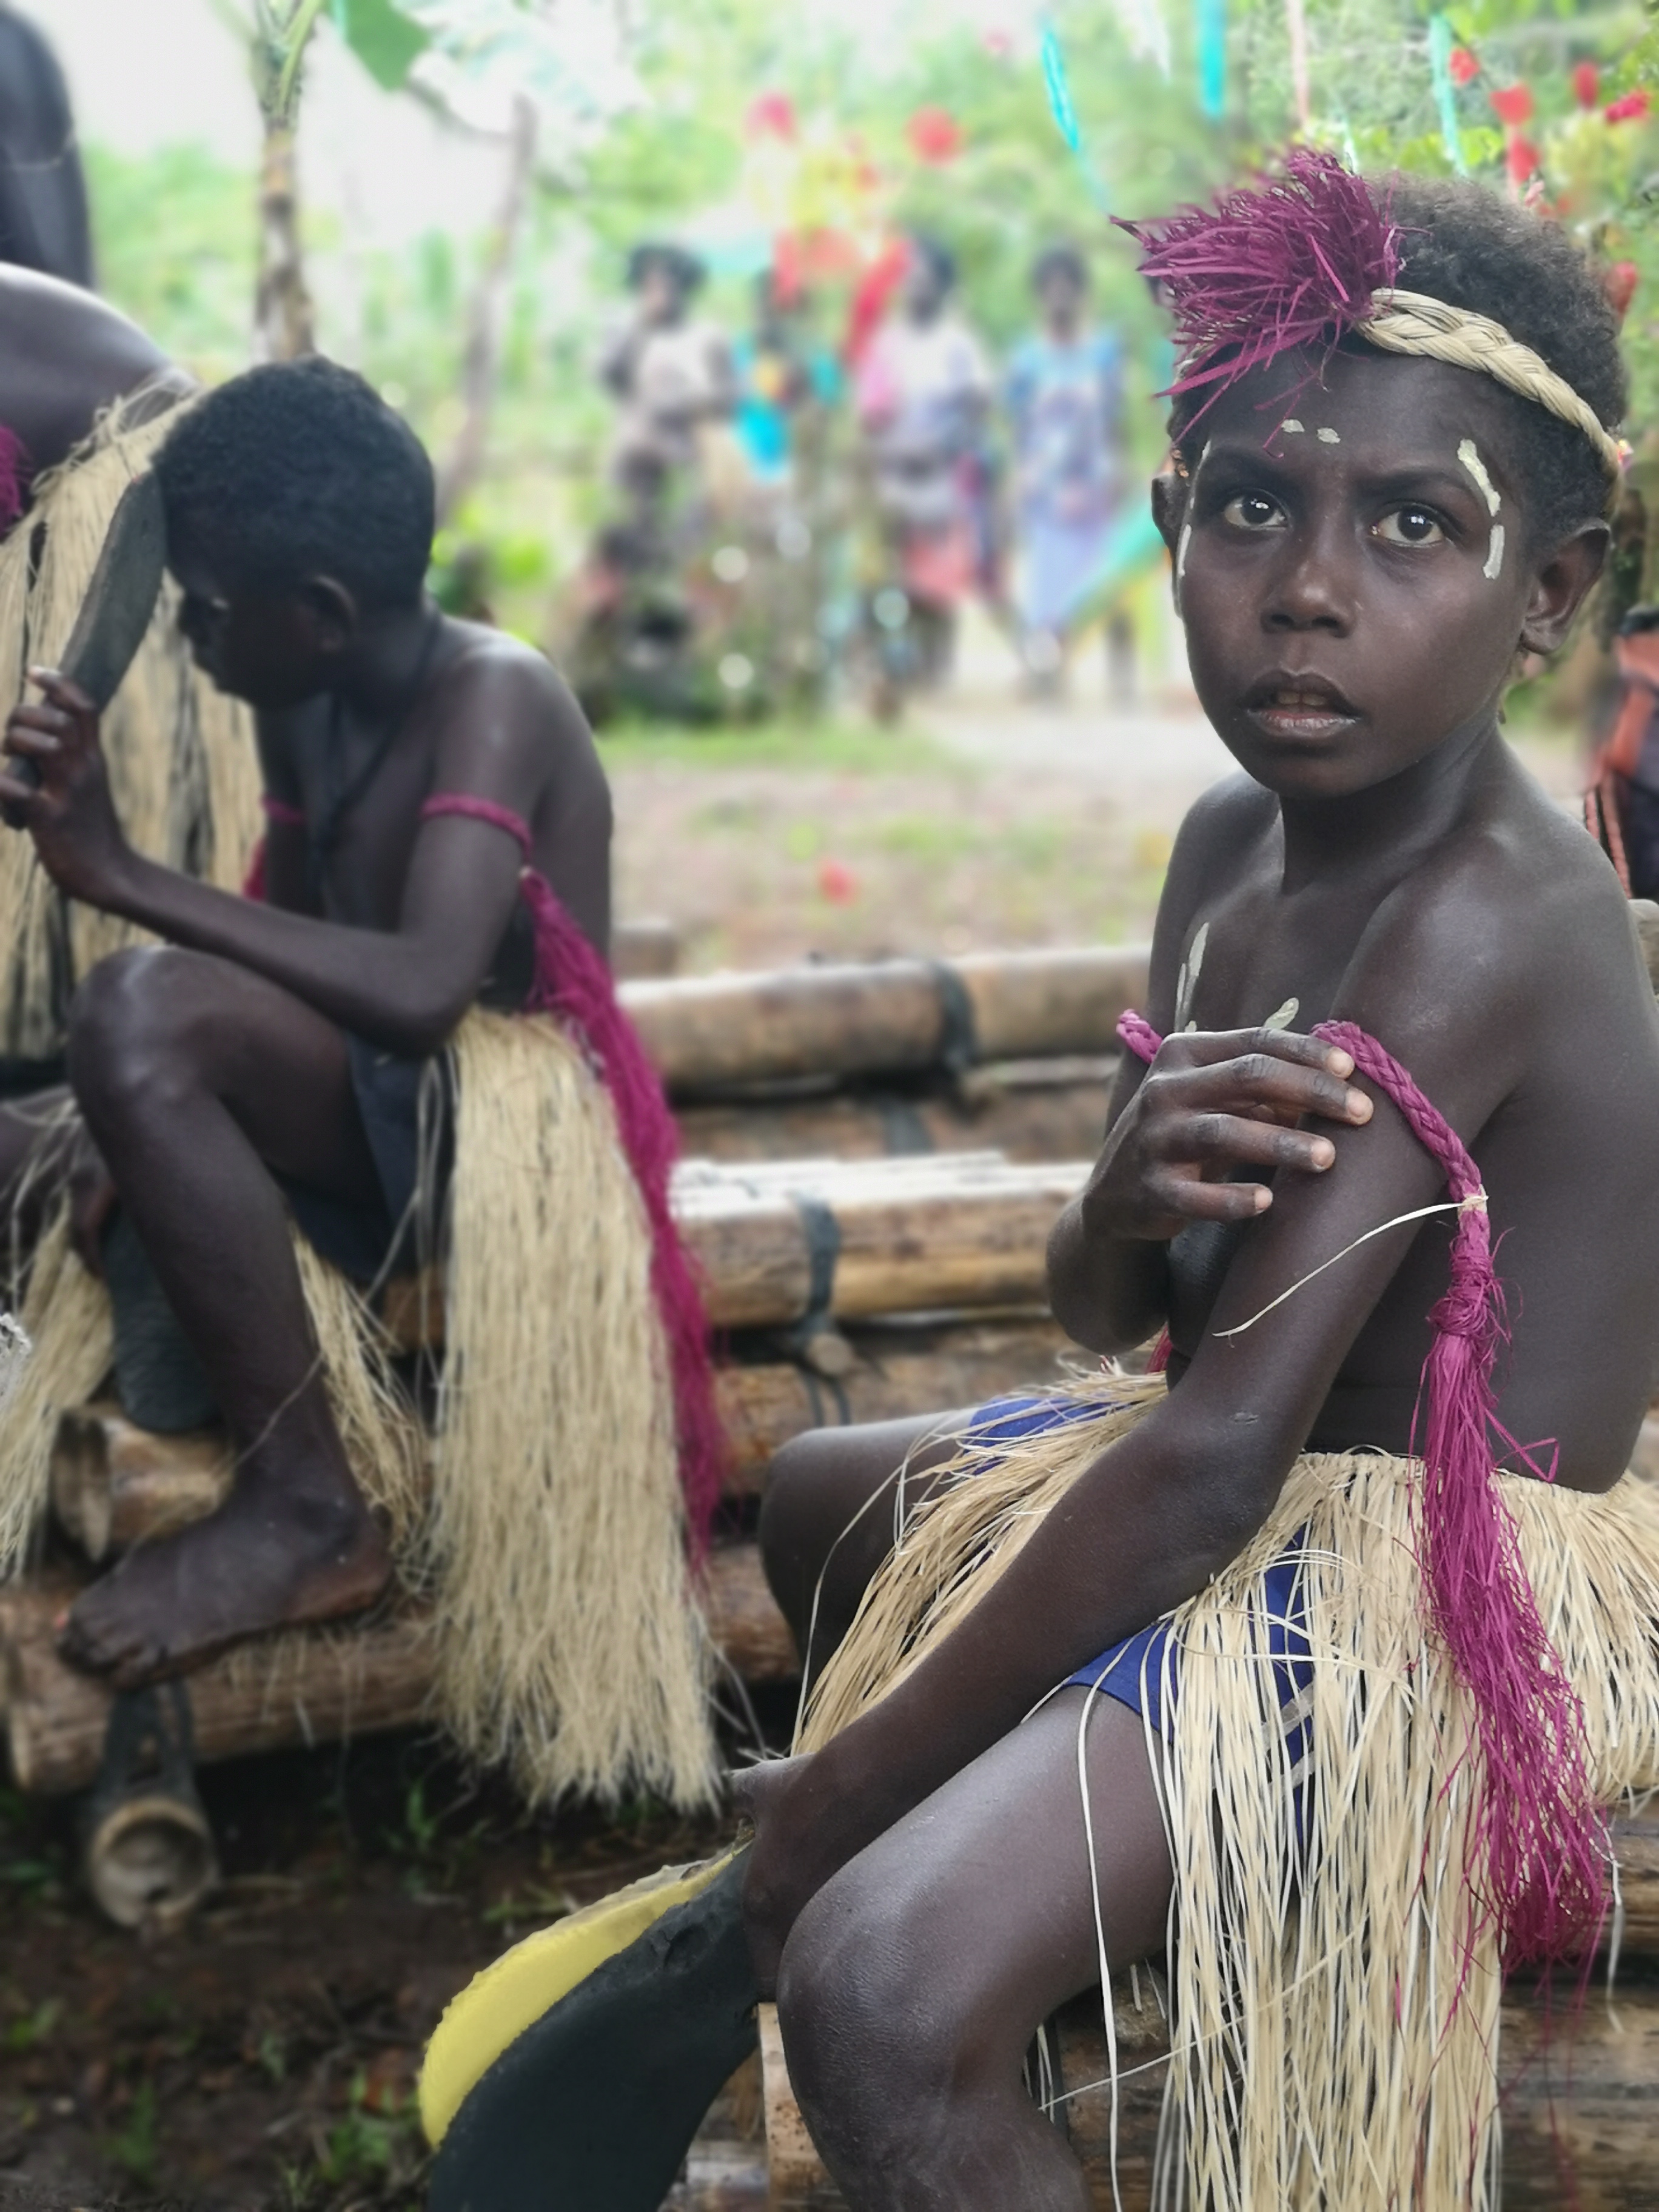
(837,883)
(1586,84)
(770,115)
(1514,105)
(1463,65)
(1620,281)
(935,135)
(1522,159)
(1630,109)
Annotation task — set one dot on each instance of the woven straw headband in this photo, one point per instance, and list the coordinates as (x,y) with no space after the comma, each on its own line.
(1412,323)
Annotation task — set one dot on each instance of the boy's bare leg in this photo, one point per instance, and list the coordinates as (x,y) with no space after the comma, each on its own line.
(828,1518)
(913,1982)
(197,1078)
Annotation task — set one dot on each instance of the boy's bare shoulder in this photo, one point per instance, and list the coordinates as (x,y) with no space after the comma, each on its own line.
(502,697)
(1512,930)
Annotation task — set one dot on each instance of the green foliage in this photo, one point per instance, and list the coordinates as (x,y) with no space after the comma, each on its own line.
(383,38)
(133,2146)
(176,244)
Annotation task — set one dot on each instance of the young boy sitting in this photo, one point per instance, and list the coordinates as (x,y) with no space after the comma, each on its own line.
(1367,530)
(1320,1685)
(427,783)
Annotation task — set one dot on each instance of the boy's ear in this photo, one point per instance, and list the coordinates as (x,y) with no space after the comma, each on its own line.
(1169,506)
(333,611)
(1561,587)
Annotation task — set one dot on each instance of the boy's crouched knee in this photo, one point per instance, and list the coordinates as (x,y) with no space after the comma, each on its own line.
(129,1023)
(862,2059)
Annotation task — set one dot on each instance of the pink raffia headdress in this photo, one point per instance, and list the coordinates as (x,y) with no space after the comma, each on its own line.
(1295,259)
(1539,1844)
(1306,258)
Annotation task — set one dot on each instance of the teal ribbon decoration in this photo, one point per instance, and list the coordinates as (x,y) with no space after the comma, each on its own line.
(1446,92)
(1211,25)
(1063,108)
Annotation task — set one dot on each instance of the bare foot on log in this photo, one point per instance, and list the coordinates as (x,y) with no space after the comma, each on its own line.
(271,1557)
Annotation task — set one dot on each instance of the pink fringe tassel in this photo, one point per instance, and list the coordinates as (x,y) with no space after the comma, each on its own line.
(14,473)
(1538,1835)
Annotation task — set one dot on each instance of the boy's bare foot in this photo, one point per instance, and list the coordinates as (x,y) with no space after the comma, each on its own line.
(271,1557)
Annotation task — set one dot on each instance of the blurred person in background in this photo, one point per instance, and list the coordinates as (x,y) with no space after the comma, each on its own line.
(780,375)
(671,371)
(922,388)
(1621,807)
(1065,402)
(43,193)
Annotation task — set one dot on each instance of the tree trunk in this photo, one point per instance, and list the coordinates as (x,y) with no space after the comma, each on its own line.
(284,328)
(481,364)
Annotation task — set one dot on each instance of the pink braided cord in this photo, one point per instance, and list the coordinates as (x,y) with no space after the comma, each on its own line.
(1538,1836)
(573,981)
(1135,1031)
(275,810)
(14,473)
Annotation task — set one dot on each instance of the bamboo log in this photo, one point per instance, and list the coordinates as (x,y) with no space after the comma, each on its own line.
(1577,2107)
(909,1242)
(644,951)
(708,1033)
(1026,1114)
(956,1232)
(115,1484)
(307,1688)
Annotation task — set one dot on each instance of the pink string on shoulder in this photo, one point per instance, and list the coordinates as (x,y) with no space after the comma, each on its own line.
(1539,1837)
(573,981)
(275,810)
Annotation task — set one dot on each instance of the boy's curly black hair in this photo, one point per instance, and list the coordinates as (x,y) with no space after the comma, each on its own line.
(1461,243)
(301,468)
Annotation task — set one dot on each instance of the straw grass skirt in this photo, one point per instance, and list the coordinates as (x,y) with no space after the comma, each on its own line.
(541,1515)
(183,771)
(1334,1991)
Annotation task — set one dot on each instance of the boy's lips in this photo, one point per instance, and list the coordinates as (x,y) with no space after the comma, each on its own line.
(1298,705)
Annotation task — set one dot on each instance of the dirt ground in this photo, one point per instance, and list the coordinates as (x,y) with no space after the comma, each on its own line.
(266,2056)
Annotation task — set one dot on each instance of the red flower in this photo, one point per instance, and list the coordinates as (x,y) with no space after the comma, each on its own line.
(1622,281)
(770,115)
(1463,65)
(1630,109)
(1514,105)
(837,883)
(934,135)
(1586,84)
(1522,159)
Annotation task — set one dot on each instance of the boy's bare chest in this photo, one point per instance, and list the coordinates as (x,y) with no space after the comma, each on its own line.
(1252,957)
(363,790)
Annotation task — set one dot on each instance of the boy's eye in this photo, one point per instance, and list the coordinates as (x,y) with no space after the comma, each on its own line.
(1410,525)
(1254,510)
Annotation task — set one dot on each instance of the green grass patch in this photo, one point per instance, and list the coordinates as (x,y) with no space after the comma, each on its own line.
(833,746)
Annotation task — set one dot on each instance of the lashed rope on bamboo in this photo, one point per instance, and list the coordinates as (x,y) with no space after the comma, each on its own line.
(1414,323)
(184,774)
(1344,2050)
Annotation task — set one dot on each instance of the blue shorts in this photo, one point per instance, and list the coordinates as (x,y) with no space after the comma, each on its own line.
(1133,1672)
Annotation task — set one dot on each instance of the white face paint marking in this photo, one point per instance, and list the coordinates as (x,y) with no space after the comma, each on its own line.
(1327,437)
(1181,550)
(1187,982)
(1494,567)
(1291,426)
(1285,1016)
(1468,453)
(1187,526)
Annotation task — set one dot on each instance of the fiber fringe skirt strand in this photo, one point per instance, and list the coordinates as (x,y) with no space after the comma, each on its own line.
(182,770)
(1336,1993)
(542,1518)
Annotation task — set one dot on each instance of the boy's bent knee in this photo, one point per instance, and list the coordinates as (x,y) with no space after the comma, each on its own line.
(132,1022)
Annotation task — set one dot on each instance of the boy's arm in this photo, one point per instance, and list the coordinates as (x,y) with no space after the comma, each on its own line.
(1171,1504)
(1175,1132)
(406,989)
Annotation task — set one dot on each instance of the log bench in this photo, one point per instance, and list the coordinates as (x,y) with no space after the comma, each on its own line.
(1016,1050)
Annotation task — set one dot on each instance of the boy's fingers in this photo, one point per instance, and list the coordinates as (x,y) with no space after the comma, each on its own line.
(1259,1078)
(1190,1200)
(1202,1048)
(1211,1137)
(63,689)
